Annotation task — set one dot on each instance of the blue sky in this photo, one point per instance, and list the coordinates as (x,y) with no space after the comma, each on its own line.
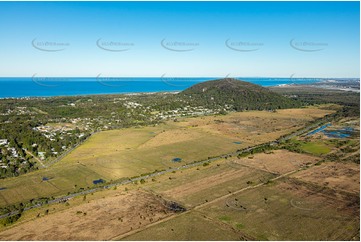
(200,39)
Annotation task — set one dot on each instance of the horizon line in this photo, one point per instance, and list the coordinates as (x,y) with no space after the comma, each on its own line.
(185,77)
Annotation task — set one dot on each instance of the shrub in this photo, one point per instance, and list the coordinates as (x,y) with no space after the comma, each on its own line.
(11,219)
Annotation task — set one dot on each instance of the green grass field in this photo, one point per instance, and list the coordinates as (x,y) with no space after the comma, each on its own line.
(316,148)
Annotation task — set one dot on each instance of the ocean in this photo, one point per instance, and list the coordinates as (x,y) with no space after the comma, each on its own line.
(49,87)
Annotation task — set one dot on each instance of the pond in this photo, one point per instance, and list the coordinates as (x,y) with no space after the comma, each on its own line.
(336,133)
(319,129)
(176,159)
(2,188)
(339,133)
(99,181)
(237,142)
(45,178)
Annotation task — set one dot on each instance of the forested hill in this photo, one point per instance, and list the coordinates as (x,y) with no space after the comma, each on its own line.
(238,95)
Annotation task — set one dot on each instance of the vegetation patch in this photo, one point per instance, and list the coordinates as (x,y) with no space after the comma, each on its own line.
(316,148)
(10,220)
(225,218)
(239,226)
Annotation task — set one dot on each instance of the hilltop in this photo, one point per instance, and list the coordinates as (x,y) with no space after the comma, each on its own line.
(236,94)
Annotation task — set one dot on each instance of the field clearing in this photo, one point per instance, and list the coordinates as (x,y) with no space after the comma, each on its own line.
(194,187)
(342,176)
(135,151)
(121,212)
(278,162)
(257,126)
(31,185)
(187,227)
(284,210)
(117,154)
(316,147)
(61,125)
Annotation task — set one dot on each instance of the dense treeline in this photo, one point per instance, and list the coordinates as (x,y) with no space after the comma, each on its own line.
(238,95)
(311,95)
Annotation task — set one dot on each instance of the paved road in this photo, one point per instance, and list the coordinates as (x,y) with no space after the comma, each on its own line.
(85,192)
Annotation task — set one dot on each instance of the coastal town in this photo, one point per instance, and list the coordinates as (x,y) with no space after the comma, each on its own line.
(50,136)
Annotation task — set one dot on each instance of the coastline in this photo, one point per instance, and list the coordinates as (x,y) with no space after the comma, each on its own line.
(27,89)
(87,95)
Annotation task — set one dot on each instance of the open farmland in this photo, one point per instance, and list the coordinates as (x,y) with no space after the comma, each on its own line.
(188,227)
(117,154)
(287,209)
(200,185)
(297,204)
(339,176)
(119,211)
(280,197)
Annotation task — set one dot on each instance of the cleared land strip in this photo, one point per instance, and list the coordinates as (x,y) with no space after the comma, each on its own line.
(311,126)
(36,158)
